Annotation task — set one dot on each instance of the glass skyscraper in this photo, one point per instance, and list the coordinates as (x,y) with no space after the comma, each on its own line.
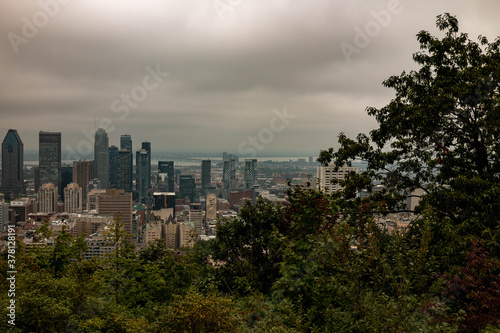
(12,164)
(101,158)
(50,158)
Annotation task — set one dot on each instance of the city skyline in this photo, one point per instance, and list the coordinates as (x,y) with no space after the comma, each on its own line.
(194,77)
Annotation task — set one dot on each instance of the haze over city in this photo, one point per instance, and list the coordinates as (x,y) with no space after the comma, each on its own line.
(205,76)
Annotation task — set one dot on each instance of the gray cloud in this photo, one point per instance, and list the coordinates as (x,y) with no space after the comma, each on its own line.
(225,76)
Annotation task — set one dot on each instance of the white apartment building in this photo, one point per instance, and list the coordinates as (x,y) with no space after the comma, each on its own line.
(326,174)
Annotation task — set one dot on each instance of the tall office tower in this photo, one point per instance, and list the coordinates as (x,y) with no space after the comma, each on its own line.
(73,198)
(50,158)
(47,198)
(126,143)
(124,178)
(168,168)
(101,157)
(141,176)
(113,166)
(325,175)
(250,173)
(83,172)
(147,147)
(228,177)
(187,187)
(206,166)
(12,164)
(117,203)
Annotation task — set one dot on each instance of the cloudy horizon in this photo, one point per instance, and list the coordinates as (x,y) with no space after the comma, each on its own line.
(210,76)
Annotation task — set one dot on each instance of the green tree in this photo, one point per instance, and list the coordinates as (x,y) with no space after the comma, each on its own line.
(248,248)
(440,134)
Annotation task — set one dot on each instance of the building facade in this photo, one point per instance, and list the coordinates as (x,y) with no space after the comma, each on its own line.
(167,167)
(47,198)
(126,143)
(250,173)
(49,158)
(117,203)
(83,172)
(328,178)
(12,164)
(113,166)
(101,158)
(228,177)
(73,201)
(187,187)
(141,176)
(124,178)
(206,169)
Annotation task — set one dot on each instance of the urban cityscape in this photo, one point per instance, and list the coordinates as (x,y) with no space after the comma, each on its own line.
(156,199)
(249,166)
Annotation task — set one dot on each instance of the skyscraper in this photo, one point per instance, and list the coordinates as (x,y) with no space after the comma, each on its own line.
(206,166)
(250,173)
(168,168)
(50,158)
(228,177)
(187,187)
(124,179)
(147,147)
(126,143)
(101,157)
(12,164)
(83,172)
(113,166)
(141,176)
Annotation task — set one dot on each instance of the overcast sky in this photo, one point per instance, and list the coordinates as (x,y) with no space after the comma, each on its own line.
(207,75)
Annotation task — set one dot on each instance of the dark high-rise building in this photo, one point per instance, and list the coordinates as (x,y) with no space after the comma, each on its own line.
(141,176)
(147,147)
(113,166)
(50,158)
(124,179)
(126,143)
(228,177)
(12,164)
(168,168)
(101,157)
(206,167)
(250,173)
(187,187)
(164,200)
(66,178)
(83,172)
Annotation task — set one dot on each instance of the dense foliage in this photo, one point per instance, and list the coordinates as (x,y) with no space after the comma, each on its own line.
(319,263)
